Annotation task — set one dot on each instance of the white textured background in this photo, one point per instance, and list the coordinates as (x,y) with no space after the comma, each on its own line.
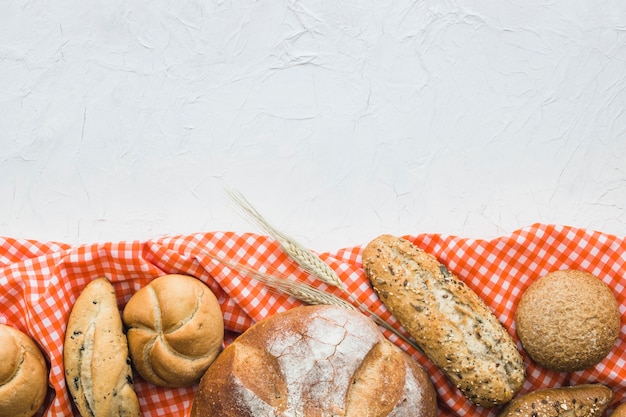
(338,120)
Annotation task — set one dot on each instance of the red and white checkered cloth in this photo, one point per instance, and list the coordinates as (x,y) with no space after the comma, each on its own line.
(39,282)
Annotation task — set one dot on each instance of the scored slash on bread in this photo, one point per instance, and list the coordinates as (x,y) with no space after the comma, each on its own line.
(314,361)
(452,325)
(23,374)
(95,354)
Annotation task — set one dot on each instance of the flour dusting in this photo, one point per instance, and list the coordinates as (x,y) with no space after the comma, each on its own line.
(318,363)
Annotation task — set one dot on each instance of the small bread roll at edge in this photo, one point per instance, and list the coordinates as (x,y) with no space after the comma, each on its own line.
(619,411)
(589,400)
(23,374)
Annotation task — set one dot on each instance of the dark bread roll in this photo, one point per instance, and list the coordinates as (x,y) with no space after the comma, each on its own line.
(23,374)
(451,323)
(588,400)
(314,361)
(175,330)
(568,320)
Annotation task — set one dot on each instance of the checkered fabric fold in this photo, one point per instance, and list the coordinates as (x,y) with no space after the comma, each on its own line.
(39,282)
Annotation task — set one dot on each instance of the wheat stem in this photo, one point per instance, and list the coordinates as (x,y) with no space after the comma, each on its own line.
(308,294)
(309,261)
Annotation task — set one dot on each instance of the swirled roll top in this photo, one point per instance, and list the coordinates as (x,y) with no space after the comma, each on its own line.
(175,330)
(23,374)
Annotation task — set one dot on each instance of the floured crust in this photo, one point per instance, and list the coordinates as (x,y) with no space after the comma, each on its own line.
(97,366)
(451,324)
(23,374)
(314,361)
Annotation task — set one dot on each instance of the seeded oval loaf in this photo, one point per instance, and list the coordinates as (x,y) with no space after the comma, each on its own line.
(23,374)
(314,361)
(95,355)
(175,330)
(568,320)
(452,325)
(588,400)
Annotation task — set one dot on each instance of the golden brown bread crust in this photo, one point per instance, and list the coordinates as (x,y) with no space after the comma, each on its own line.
(95,354)
(589,400)
(314,361)
(175,330)
(568,320)
(23,374)
(451,324)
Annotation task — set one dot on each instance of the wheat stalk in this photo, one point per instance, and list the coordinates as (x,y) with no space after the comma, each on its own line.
(307,294)
(309,261)
(297,289)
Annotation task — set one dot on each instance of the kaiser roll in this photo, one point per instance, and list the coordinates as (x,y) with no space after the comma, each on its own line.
(23,374)
(568,320)
(175,330)
(317,361)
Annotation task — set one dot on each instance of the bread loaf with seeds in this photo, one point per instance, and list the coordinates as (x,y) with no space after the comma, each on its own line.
(588,400)
(452,325)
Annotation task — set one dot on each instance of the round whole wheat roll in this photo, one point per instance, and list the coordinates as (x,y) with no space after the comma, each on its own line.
(314,361)
(568,320)
(23,374)
(175,330)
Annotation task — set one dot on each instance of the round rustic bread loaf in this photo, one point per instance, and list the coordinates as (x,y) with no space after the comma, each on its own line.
(23,374)
(175,330)
(568,320)
(314,361)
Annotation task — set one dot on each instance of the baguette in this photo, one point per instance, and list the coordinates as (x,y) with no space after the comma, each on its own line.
(452,325)
(97,366)
(589,400)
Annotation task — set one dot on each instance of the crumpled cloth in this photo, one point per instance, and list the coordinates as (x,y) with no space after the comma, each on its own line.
(39,282)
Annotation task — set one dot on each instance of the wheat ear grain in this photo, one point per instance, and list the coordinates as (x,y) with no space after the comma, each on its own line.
(296,289)
(308,294)
(309,261)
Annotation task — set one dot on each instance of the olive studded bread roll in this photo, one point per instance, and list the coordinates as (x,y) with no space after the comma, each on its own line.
(175,330)
(95,354)
(23,374)
(452,325)
(314,361)
(588,400)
